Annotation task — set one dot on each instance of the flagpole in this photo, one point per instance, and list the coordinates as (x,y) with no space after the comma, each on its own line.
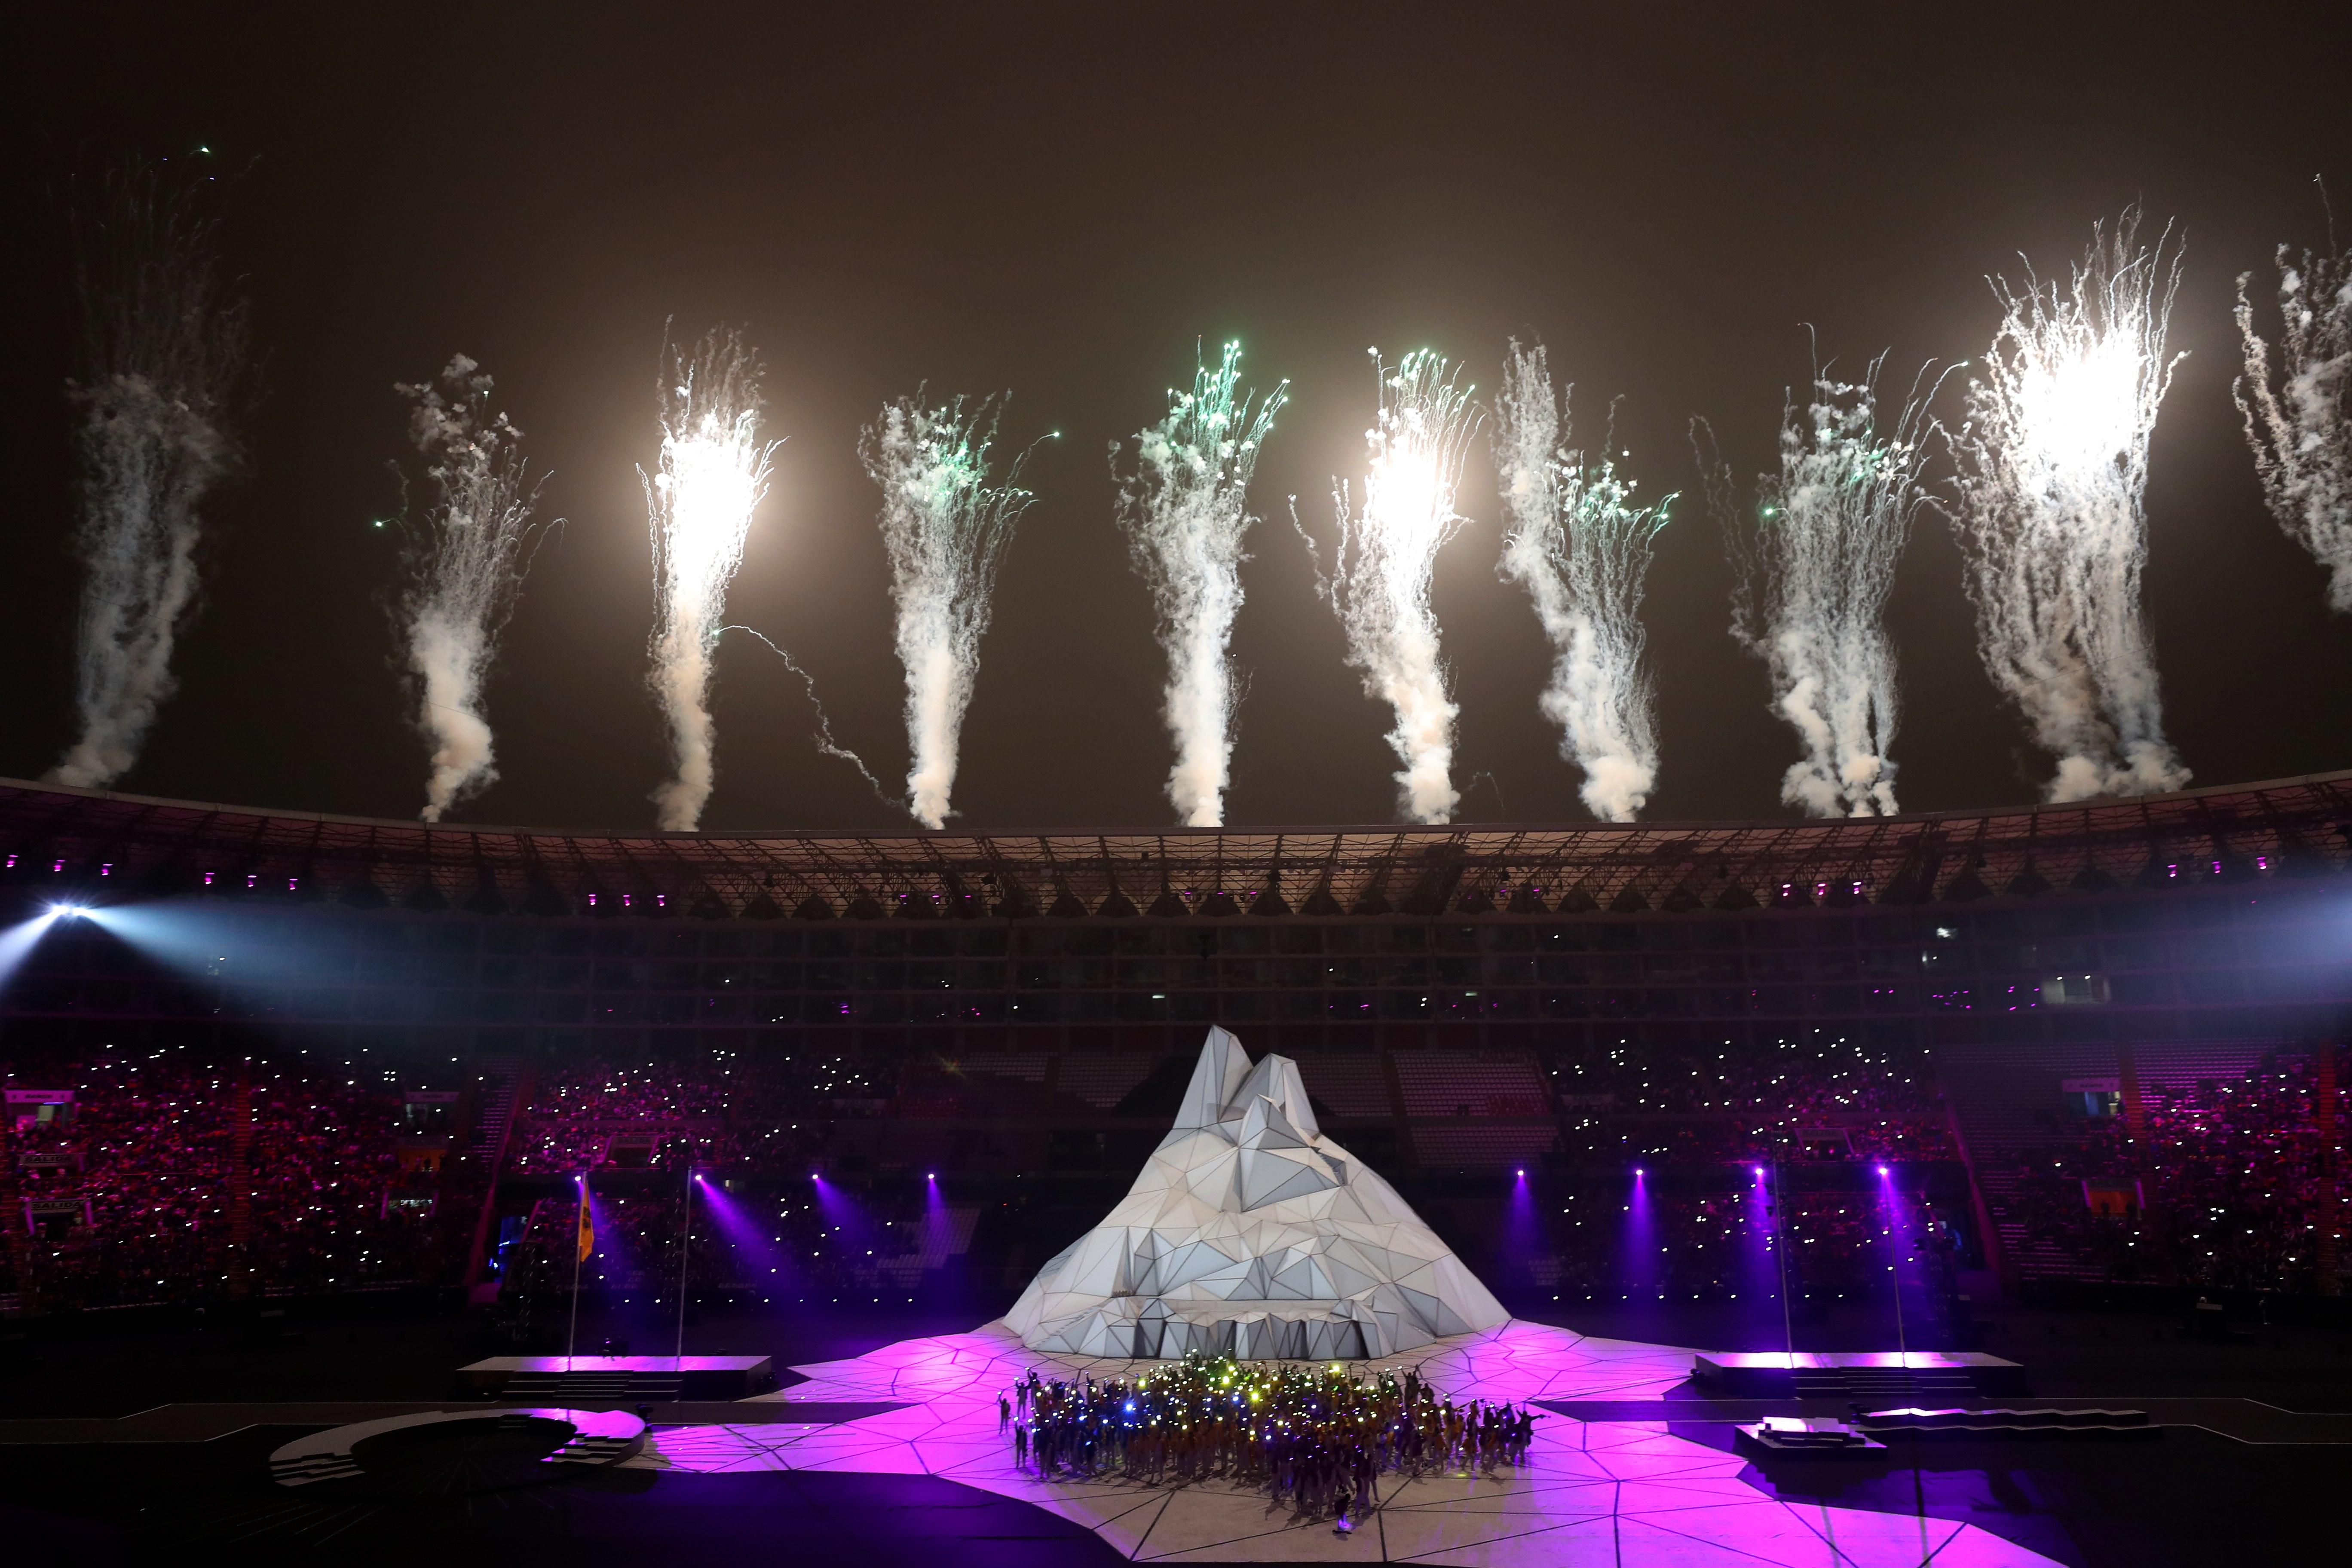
(685,1234)
(1781,1257)
(572,1339)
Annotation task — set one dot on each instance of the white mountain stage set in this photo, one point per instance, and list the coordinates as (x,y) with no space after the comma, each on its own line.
(1251,1233)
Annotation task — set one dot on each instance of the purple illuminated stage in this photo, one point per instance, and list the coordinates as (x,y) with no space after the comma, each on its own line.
(1768,1374)
(1624,1493)
(626,1376)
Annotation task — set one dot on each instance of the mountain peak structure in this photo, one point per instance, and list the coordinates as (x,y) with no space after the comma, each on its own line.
(1251,1233)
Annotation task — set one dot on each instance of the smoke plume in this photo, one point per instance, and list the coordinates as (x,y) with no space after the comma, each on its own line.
(1185,509)
(945,527)
(1581,547)
(1385,555)
(1814,563)
(162,346)
(2051,481)
(712,473)
(465,569)
(2299,426)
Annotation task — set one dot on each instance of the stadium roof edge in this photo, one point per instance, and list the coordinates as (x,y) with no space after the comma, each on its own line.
(2339,780)
(82,841)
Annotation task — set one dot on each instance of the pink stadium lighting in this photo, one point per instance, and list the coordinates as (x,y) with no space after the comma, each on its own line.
(1881,1170)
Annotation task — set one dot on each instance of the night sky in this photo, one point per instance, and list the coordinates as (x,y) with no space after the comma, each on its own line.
(1061,203)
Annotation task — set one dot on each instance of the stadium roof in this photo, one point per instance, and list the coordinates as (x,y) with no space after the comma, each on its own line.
(55,834)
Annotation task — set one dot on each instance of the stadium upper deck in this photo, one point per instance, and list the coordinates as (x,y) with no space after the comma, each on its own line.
(2284,828)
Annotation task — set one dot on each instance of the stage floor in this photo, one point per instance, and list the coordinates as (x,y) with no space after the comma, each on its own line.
(1622,1492)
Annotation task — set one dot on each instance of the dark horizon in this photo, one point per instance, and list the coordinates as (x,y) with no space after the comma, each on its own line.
(1063,209)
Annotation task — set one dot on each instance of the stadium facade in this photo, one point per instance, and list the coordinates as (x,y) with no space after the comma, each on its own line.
(1460,999)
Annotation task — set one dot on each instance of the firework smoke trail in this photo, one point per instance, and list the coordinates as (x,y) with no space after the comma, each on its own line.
(1185,509)
(1581,548)
(945,527)
(2052,476)
(822,736)
(1386,552)
(1813,565)
(163,344)
(464,571)
(712,473)
(2301,429)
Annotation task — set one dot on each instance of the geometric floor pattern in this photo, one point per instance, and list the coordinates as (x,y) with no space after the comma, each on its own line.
(1627,1494)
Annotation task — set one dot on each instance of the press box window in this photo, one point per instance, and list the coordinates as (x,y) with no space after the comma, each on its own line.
(2074,990)
(2093,1097)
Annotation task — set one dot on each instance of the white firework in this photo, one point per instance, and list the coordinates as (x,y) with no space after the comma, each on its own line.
(465,569)
(1383,561)
(712,476)
(164,347)
(2299,424)
(945,528)
(1814,562)
(1582,545)
(2051,489)
(1185,508)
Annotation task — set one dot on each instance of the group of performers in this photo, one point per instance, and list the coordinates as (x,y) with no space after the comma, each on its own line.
(1316,1438)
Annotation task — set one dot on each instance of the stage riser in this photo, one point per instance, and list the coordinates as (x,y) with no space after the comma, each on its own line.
(601,1380)
(1856,1376)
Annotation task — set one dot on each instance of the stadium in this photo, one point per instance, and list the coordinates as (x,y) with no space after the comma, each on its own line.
(287,1072)
(1984,1001)
(1536,864)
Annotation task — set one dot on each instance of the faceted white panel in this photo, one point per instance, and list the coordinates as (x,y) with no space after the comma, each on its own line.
(1251,1232)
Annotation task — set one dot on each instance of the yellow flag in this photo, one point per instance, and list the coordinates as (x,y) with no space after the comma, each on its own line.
(587,1227)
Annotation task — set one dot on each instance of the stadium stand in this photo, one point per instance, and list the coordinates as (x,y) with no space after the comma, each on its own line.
(2112,1028)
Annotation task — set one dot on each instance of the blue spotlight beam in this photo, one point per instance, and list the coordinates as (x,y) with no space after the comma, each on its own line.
(17,944)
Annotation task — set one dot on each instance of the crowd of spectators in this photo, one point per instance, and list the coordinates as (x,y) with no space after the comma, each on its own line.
(2234,1186)
(1612,1244)
(170,1176)
(148,1148)
(175,1175)
(2244,1178)
(328,1196)
(719,1108)
(787,1245)
(1725,1104)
